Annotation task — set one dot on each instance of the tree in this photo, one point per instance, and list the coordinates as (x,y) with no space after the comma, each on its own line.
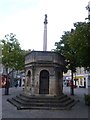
(12,55)
(70,54)
(80,40)
(75,46)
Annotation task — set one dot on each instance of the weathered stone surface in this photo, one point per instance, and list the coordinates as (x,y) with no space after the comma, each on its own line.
(37,65)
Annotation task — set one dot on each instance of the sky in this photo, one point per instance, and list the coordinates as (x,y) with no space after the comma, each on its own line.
(25,19)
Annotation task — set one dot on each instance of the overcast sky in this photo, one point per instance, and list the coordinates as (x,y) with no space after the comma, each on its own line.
(25,19)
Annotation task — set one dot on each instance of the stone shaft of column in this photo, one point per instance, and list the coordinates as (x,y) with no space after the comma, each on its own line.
(45,38)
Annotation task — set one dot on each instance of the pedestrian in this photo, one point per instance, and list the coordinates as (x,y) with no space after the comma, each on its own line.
(7,85)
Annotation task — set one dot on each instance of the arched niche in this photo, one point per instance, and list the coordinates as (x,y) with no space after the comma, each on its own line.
(44,82)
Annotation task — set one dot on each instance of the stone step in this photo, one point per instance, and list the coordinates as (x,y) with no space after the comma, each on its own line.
(42,97)
(42,102)
(71,104)
(20,107)
(38,103)
(64,98)
(15,103)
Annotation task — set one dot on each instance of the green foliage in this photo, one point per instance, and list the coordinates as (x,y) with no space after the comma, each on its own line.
(75,46)
(12,55)
(64,48)
(80,40)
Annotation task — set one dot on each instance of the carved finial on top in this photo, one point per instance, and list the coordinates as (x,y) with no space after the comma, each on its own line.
(88,8)
(45,21)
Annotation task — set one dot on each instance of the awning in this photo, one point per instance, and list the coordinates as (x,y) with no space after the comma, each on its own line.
(77,77)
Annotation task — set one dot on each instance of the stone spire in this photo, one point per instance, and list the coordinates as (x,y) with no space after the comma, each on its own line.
(45,34)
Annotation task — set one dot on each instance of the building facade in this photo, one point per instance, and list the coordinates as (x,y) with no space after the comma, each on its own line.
(80,79)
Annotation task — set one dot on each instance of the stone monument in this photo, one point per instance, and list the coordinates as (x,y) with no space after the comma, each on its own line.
(44,81)
(44,70)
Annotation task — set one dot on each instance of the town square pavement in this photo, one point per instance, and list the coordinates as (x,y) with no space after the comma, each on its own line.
(80,110)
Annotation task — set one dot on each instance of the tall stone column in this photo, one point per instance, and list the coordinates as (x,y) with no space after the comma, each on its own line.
(45,34)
